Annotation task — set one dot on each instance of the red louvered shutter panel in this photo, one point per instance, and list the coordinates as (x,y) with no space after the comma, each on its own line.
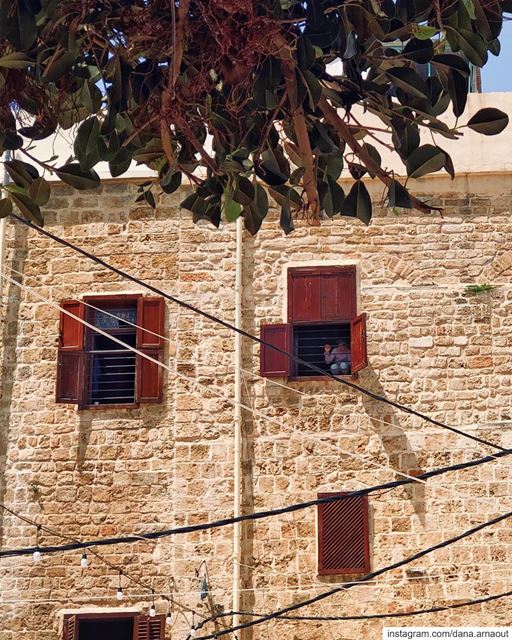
(157,628)
(141,630)
(150,316)
(338,294)
(272,363)
(358,348)
(343,536)
(70,356)
(71,628)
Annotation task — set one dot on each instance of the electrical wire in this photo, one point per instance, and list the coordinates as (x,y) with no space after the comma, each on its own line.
(158,335)
(258,515)
(381,616)
(246,334)
(369,576)
(138,352)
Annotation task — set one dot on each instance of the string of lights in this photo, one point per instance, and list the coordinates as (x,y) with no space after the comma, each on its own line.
(246,334)
(258,515)
(122,573)
(341,588)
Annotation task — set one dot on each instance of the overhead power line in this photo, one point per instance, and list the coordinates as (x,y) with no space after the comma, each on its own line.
(165,533)
(250,336)
(369,576)
(378,616)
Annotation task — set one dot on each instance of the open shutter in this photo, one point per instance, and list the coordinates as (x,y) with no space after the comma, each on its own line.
(272,363)
(70,356)
(147,628)
(343,536)
(358,347)
(71,628)
(151,317)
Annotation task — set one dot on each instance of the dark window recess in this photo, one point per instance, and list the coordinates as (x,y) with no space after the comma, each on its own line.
(343,535)
(322,309)
(106,629)
(95,370)
(310,344)
(112,367)
(113,626)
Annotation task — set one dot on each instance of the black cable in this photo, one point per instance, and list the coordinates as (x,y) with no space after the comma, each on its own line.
(156,535)
(349,585)
(377,616)
(232,327)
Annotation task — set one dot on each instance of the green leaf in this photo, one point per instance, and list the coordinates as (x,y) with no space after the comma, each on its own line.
(488,121)
(424,32)
(425,159)
(458,88)
(232,210)
(57,66)
(5,207)
(171,181)
(87,141)
(409,81)
(418,50)
(255,213)
(21,173)
(452,61)
(15,60)
(39,191)
(358,203)
(472,45)
(331,196)
(244,192)
(470,8)
(286,220)
(398,196)
(73,175)
(25,204)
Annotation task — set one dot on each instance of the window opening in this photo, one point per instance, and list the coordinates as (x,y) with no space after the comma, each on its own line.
(112,367)
(121,629)
(311,343)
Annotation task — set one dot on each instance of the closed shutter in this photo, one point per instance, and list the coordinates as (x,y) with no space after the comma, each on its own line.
(358,347)
(338,297)
(147,628)
(70,628)
(70,361)
(343,536)
(272,363)
(150,316)
(322,294)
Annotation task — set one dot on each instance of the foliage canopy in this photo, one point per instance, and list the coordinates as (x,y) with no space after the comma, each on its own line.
(239,96)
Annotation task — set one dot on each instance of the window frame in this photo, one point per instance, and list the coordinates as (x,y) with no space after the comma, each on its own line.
(124,300)
(111,615)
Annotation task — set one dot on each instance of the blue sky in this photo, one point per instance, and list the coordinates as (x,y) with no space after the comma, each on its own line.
(497,73)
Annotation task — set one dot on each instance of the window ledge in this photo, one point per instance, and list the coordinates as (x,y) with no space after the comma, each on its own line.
(321,378)
(106,407)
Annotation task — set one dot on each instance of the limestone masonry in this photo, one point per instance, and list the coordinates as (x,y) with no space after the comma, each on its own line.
(432,345)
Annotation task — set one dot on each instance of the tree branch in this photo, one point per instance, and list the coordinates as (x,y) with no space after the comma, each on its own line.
(343,130)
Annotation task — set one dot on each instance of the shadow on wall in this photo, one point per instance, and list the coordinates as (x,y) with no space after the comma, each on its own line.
(10,332)
(394,439)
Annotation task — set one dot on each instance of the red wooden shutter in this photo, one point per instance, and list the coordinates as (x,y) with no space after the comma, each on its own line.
(151,316)
(272,363)
(146,628)
(358,347)
(322,294)
(338,294)
(70,628)
(303,296)
(70,356)
(343,536)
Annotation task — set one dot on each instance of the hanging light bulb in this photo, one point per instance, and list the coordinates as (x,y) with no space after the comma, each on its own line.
(152,611)
(168,617)
(120,594)
(83,561)
(37,556)
(192,633)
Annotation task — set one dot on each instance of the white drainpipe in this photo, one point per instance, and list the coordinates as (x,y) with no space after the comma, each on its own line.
(3,228)
(237,461)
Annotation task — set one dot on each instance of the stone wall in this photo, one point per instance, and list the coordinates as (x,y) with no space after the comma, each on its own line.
(98,473)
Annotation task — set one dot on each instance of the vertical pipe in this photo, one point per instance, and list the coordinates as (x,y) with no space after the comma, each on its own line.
(3,228)
(237,461)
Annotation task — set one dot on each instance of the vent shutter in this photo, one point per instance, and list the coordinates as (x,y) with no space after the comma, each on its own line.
(343,538)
